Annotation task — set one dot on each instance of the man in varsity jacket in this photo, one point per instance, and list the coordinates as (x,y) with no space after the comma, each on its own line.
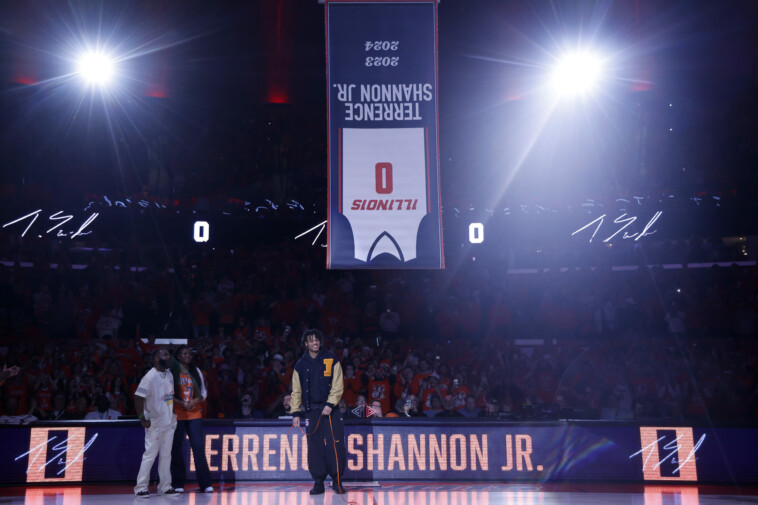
(317,387)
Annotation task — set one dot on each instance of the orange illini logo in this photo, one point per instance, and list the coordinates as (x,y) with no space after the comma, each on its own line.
(668,453)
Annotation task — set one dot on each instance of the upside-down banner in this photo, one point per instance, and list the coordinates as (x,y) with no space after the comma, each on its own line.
(384,197)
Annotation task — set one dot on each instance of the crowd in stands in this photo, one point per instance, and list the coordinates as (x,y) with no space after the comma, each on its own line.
(471,341)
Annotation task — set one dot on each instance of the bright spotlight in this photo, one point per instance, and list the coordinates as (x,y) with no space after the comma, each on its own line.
(577,74)
(96,68)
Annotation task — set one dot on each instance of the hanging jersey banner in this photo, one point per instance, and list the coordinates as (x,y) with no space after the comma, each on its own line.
(384,197)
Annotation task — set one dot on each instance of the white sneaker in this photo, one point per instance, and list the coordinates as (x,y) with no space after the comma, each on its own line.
(209,489)
(179,489)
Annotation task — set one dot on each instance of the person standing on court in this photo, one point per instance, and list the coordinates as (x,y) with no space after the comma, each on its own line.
(189,393)
(154,402)
(317,387)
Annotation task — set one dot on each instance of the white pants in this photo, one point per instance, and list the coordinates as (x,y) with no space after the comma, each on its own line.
(158,441)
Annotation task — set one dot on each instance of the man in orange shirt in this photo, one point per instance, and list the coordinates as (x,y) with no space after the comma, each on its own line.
(423,372)
(127,355)
(18,386)
(435,389)
(380,385)
(353,385)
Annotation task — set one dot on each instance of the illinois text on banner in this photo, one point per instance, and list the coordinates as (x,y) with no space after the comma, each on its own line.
(384,198)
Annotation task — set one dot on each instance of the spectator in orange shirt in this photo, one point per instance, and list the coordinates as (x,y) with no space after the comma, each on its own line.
(189,394)
(434,389)
(460,391)
(241,335)
(277,380)
(17,386)
(379,385)
(43,398)
(112,379)
(423,372)
(353,385)
(127,356)
(201,317)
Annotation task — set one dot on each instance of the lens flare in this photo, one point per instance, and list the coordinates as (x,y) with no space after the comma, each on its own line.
(577,74)
(96,68)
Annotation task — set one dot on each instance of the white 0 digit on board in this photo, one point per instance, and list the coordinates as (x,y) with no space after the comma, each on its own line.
(476,233)
(202,231)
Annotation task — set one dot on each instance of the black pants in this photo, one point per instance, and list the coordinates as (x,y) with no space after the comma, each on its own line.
(194,429)
(321,445)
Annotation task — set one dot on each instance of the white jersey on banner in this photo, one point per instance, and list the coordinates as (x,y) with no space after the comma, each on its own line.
(384,196)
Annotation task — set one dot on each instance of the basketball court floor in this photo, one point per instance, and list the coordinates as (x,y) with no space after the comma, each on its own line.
(393,493)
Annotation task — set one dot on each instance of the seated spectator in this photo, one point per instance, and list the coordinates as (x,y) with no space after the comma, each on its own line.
(12,415)
(118,403)
(375,409)
(435,408)
(280,408)
(470,410)
(398,412)
(491,408)
(409,407)
(81,409)
(58,413)
(342,405)
(449,408)
(359,409)
(103,412)
(245,409)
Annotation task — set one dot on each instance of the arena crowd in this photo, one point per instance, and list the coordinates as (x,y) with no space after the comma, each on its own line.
(470,341)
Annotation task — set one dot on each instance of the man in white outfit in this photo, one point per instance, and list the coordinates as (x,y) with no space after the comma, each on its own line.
(154,402)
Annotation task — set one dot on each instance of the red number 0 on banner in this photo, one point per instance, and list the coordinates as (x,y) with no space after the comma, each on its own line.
(384,178)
